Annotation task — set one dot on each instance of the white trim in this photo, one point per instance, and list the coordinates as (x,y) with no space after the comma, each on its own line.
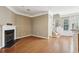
(39,36)
(16,12)
(32,35)
(7,27)
(23,36)
(39,14)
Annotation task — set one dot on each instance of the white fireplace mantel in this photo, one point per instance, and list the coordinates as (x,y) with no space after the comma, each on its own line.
(2,33)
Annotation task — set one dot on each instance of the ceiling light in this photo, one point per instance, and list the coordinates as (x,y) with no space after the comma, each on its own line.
(28,9)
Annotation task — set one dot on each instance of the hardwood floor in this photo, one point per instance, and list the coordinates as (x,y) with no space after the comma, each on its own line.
(39,45)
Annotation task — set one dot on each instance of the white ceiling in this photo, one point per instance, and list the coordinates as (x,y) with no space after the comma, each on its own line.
(65,10)
(40,10)
(34,10)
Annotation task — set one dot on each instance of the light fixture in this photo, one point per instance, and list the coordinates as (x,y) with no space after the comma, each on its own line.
(28,9)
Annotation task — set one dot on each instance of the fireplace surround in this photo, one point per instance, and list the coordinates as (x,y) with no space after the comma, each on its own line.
(8,35)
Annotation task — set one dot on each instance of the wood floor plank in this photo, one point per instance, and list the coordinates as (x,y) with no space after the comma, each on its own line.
(39,45)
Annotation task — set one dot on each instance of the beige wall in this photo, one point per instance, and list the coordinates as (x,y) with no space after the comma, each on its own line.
(23,26)
(40,26)
(6,16)
(22,23)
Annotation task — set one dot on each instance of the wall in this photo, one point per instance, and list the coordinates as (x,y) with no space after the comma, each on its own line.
(50,23)
(23,26)
(6,16)
(40,26)
(60,27)
(68,32)
(22,23)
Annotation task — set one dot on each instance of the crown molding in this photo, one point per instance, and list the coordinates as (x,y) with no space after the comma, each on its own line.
(40,14)
(16,12)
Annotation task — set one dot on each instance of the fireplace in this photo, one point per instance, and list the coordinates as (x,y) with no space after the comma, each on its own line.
(9,38)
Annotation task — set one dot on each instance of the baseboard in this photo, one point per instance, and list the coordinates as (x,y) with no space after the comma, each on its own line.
(65,36)
(40,36)
(32,35)
(24,36)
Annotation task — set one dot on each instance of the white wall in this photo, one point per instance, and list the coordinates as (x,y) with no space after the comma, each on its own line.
(50,23)
(68,32)
(60,28)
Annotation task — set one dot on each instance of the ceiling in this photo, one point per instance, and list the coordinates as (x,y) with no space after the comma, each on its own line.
(30,11)
(33,11)
(65,10)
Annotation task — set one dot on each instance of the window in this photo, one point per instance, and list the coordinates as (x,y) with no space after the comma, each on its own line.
(66,24)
